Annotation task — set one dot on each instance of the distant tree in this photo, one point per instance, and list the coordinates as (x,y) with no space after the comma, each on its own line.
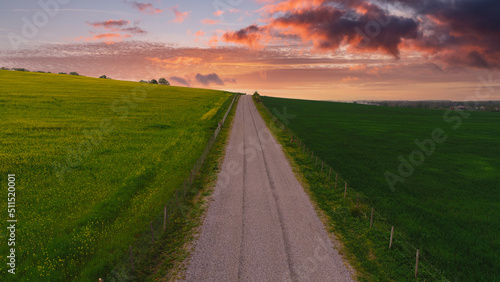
(103,76)
(20,69)
(4,68)
(73,73)
(143,81)
(62,73)
(256,97)
(163,81)
(153,81)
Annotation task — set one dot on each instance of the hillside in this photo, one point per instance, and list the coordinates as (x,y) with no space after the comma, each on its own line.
(94,159)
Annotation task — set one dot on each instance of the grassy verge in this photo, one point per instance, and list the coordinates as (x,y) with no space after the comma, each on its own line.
(169,256)
(348,215)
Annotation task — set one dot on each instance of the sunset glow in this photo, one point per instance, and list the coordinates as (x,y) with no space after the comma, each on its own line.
(321,49)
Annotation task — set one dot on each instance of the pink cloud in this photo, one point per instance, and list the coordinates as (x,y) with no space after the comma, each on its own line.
(145,7)
(118,26)
(110,24)
(179,16)
(108,38)
(210,21)
(199,34)
(222,12)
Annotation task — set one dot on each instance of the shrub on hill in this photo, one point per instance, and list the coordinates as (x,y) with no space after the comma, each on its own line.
(163,81)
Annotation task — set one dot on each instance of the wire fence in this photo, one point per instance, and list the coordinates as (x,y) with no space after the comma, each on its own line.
(138,255)
(367,220)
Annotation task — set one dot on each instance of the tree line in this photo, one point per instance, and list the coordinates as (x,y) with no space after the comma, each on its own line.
(161,81)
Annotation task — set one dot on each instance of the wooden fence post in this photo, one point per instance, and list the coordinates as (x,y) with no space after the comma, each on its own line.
(345,190)
(329,173)
(371,219)
(416,266)
(390,240)
(357,201)
(152,233)
(132,259)
(322,164)
(336,177)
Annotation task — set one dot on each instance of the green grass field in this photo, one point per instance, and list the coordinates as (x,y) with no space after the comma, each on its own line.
(448,206)
(94,160)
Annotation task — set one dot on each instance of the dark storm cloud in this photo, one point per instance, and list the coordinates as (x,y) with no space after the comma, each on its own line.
(179,80)
(208,79)
(463,33)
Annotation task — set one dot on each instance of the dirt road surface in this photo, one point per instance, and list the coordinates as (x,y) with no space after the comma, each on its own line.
(261,225)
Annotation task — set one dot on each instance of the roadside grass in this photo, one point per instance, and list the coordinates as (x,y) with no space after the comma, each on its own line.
(448,208)
(94,159)
(170,256)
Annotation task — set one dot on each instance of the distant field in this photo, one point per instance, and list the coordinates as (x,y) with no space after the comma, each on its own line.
(94,161)
(448,206)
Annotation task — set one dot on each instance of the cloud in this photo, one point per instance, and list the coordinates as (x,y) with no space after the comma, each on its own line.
(180,80)
(329,27)
(134,30)
(117,26)
(290,72)
(175,62)
(219,13)
(110,24)
(208,79)
(198,34)
(460,33)
(179,16)
(108,38)
(347,79)
(146,8)
(230,80)
(450,32)
(250,36)
(210,21)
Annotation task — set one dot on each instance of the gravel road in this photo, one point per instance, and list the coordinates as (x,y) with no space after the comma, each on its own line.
(261,225)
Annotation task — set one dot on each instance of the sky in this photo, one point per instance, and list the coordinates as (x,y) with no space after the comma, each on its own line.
(338,50)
